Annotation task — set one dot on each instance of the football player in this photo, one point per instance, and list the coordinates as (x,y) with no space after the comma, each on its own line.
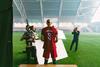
(49,37)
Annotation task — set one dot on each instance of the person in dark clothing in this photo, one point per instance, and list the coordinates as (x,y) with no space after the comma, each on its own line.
(29,37)
(76,34)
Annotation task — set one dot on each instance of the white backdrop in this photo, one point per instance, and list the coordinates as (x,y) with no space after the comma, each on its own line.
(61,51)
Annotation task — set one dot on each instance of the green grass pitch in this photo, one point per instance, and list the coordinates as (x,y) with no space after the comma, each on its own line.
(88,54)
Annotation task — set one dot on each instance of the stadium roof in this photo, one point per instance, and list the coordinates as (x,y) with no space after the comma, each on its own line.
(64,10)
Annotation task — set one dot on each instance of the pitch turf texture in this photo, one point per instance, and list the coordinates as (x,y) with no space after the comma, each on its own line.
(88,54)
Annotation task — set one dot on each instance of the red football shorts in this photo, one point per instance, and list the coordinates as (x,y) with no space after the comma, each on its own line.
(47,53)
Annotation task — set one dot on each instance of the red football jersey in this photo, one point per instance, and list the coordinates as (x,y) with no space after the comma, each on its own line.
(49,34)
